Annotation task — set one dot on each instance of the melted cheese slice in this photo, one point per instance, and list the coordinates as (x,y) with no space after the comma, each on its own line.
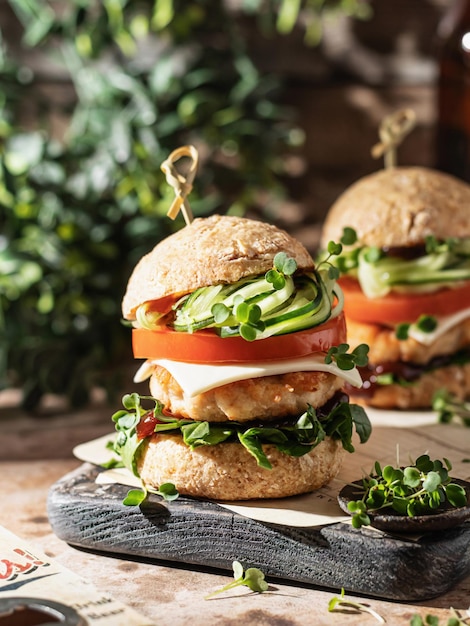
(196,378)
(444,323)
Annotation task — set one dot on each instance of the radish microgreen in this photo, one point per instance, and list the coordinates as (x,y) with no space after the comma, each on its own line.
(347,361)
(339,603)
(335,249)
(456,619)
(135,497)
(283,266)
(418,489)
(424,323)
(253,578)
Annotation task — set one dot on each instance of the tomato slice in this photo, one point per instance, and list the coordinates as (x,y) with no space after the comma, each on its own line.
(397,308)
(204,346)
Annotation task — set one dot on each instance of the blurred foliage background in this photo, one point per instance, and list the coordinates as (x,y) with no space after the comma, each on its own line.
(77,211)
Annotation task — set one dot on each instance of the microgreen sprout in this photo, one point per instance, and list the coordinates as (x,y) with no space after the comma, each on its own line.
(432,245)
(457,618)
(335,249)
(435,246)
(373,254)
(283,266)
(417,489)
(339,603)
(253,578)
(348,360)
(402,331)
(168,491)
(135,497)
(424,323)
(448,408)
(349,236)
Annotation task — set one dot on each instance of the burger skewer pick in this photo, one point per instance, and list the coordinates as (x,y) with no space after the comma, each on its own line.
(405,274)
(244,346)
(181,184)
(392,131)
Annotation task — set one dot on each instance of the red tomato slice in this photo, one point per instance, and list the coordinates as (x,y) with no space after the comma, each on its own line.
(205,346)
(397,308)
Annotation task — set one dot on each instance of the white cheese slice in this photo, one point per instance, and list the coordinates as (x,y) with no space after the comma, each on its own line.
(196,378)
(444,323)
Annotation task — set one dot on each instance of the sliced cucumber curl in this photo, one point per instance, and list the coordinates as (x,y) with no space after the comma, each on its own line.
(280,302)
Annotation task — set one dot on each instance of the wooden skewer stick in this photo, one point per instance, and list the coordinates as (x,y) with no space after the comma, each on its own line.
(181,184)
(392,131)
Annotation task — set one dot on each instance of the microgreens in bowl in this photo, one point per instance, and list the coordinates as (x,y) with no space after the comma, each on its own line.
(418,489)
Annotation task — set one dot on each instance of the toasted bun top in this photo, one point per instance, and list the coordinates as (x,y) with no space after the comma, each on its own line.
(212,250)
(401,206)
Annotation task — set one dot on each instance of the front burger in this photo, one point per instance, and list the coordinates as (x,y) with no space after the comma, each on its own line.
(406,283)
(234,322)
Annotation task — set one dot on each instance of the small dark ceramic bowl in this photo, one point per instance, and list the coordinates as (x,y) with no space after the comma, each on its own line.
(443,518)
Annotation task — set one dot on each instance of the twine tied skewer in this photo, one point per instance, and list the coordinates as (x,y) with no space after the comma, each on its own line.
(392,131)
(182,184)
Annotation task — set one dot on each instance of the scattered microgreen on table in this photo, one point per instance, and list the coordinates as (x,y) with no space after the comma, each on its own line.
(417,489)
(253,578)
(456,619)
(340,603)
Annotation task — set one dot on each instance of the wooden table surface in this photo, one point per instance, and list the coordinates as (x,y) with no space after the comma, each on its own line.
(36,451)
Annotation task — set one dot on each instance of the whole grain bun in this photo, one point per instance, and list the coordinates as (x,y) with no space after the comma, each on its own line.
(227,471)
(419,395)
(212,250)
(401,206)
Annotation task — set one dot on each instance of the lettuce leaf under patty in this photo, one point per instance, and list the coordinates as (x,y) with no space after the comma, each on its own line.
(294,437)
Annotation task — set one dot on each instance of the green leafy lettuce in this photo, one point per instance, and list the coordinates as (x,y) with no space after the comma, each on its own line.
(294,438)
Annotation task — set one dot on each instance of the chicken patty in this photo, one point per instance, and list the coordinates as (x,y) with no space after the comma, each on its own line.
(384,347)
(265,398)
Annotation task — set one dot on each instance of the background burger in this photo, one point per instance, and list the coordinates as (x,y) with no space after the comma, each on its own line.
(238,330)
(406,282)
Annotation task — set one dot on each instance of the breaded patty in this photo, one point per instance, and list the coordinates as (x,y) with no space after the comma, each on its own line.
(266,398)
(384,347)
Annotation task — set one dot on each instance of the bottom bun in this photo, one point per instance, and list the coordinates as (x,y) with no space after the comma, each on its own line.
(419,394)
(227,471)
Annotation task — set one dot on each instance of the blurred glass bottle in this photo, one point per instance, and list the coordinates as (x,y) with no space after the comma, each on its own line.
(453,100)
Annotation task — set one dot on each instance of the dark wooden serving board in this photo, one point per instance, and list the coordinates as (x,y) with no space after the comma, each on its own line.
(201,533)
